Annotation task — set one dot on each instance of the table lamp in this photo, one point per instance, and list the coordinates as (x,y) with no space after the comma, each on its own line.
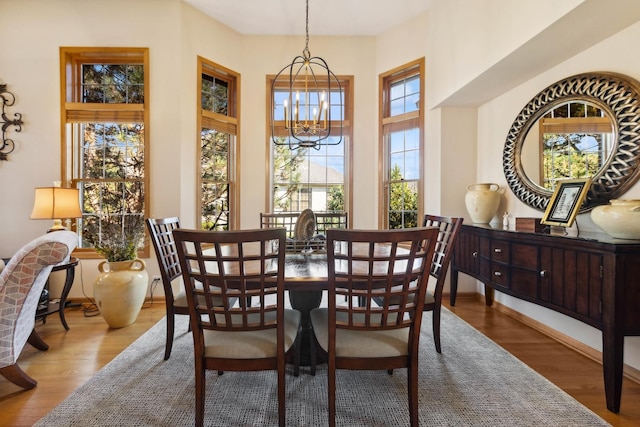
(56,203)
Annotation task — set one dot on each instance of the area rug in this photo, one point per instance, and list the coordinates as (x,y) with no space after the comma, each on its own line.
(474,382)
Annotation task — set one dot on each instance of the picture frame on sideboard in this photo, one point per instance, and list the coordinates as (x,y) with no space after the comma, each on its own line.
(566,202)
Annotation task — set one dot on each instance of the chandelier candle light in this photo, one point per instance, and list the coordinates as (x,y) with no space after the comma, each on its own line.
(307,117)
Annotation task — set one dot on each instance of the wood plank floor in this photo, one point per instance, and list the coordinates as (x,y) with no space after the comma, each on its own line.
(75,355)
(573,372)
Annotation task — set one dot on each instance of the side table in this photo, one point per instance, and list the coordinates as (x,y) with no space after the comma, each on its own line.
(53,307)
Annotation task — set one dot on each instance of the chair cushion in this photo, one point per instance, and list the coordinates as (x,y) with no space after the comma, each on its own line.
(251,344)
(180,297)
(429,297)
(354,343)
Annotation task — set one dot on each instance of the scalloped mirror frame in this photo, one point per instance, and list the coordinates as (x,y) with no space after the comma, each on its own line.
(619,96)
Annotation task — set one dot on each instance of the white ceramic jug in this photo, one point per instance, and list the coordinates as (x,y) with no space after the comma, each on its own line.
(482,201)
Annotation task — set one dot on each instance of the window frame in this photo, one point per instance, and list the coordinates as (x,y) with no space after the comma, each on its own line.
(230,124)
(346,83)
(400,122)
(73,110)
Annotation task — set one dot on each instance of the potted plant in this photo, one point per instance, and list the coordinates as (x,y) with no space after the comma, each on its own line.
(121,287)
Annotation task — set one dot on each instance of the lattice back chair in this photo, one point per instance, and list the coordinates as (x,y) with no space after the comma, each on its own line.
(21,284)
(280,219)
(230,266)
(447,237)
(161,232)
(328,220)
(390,264)
(449,230)
(288,220)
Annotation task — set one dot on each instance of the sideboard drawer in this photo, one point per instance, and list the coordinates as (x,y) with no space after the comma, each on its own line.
(500,251)
(500,274)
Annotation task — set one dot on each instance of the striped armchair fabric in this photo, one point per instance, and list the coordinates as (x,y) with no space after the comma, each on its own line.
(21,283)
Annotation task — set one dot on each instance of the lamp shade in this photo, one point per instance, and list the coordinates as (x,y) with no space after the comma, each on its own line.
(56,203)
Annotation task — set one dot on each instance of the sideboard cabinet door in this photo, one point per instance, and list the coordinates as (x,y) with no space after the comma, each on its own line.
(571,283)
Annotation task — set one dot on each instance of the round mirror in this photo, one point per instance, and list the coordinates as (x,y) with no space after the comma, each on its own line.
(587,125)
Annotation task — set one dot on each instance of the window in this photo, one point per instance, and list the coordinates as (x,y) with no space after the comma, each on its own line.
(218,123)
(105,115)
(312,178)
(576,140)
(402,123)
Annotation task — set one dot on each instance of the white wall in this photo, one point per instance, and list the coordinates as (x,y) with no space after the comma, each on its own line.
(33,31)
(495,119)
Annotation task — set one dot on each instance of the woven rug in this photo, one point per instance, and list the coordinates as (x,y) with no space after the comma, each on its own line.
(474,382)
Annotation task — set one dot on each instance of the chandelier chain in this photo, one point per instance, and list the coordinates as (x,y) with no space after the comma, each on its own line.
(305,53)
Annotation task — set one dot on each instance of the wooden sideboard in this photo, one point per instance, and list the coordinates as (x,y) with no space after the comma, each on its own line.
(593,278)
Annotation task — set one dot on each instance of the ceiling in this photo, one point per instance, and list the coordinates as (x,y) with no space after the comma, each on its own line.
(326,17)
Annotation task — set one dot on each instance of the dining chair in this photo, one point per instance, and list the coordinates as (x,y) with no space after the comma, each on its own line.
(449,230)
(230,266)
(161,232)
(447,236)
(393,265)
(323,221)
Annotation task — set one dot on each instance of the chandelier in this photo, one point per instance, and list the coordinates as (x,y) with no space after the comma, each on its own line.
(308,86)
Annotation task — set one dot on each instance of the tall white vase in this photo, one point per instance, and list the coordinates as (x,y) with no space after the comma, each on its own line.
(120,290)
(482,202)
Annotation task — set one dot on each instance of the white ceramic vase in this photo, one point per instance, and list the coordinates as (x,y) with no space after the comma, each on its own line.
(482,202)
(120,290)
(620,219)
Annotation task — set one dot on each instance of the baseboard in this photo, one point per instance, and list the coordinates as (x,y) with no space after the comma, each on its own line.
(629,372)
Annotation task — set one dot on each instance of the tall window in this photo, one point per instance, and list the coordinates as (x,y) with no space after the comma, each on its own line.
(310,178)
(401,131)
(218,123)
(105,114)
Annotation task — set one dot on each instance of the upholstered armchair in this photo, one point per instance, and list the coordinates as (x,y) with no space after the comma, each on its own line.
(21,283)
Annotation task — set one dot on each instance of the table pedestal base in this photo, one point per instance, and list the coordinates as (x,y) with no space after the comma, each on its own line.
(305,301)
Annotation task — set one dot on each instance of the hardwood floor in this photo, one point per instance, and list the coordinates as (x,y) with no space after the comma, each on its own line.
(573,372)
(75,355)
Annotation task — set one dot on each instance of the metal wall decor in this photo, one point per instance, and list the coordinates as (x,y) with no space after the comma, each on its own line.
(619,96)
(8,99)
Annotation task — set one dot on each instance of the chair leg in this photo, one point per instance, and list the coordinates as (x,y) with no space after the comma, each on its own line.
(436,328)
(331,388)
(314,353)
(200,388)
(17,376)
(282,413)
(36,341)
(412,384)
(170,329)
(296,354)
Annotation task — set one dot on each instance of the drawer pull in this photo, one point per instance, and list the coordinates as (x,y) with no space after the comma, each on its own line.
(497,273)
(543,273)
(497,250)
(475,254)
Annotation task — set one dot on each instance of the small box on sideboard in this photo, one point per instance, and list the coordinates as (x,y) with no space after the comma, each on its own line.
(532,225)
